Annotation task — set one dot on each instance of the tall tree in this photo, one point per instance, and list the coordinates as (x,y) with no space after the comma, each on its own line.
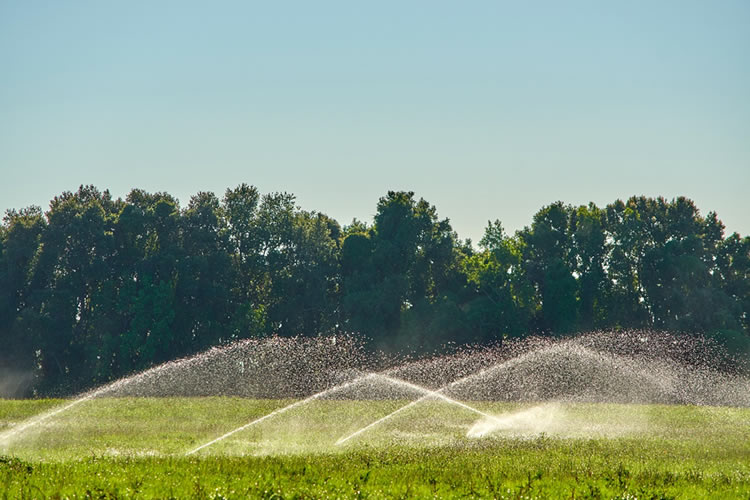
(240,207)
(401,273)
(20,237)
(307,290)
(624,296)
(97,287)
(149,251)
(547,262)
(73,264)
(588,250)
(203,302)
(503,298)
(733,267)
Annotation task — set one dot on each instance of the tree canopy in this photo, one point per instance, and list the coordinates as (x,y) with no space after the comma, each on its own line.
(96,288)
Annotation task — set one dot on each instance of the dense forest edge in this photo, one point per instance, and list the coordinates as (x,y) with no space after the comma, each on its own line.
(96,288)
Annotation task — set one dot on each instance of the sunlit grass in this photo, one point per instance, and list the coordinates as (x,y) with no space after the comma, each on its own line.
(128,447)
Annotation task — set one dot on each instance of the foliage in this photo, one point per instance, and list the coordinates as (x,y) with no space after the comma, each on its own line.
(96,287)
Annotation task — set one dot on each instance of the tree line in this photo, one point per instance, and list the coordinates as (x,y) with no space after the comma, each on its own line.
(96,287)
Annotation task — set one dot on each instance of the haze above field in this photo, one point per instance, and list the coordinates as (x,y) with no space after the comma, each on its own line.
(486,110)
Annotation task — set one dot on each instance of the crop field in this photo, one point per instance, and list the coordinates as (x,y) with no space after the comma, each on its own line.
(170,447)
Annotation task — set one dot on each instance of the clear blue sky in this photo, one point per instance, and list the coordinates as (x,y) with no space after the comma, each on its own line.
(486,109)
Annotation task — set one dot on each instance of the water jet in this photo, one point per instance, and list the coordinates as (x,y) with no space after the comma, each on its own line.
(313,394)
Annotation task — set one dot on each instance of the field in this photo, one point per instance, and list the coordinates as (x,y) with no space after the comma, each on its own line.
(137,447)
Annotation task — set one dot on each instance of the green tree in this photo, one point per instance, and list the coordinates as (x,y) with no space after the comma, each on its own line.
(203,312)
(306,293)
(149,246)
(297,254)
(359,300)
(547,261)
(240,206)
(502,301)
(20,237)
(587,239)
(624,296)
(402,274)
(73,265)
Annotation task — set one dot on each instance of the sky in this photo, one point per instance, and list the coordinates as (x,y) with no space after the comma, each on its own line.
(488,110)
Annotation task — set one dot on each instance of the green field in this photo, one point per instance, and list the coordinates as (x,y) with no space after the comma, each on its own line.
(136,447)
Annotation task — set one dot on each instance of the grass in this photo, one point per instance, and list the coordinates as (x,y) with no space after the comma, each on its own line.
(135,448)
